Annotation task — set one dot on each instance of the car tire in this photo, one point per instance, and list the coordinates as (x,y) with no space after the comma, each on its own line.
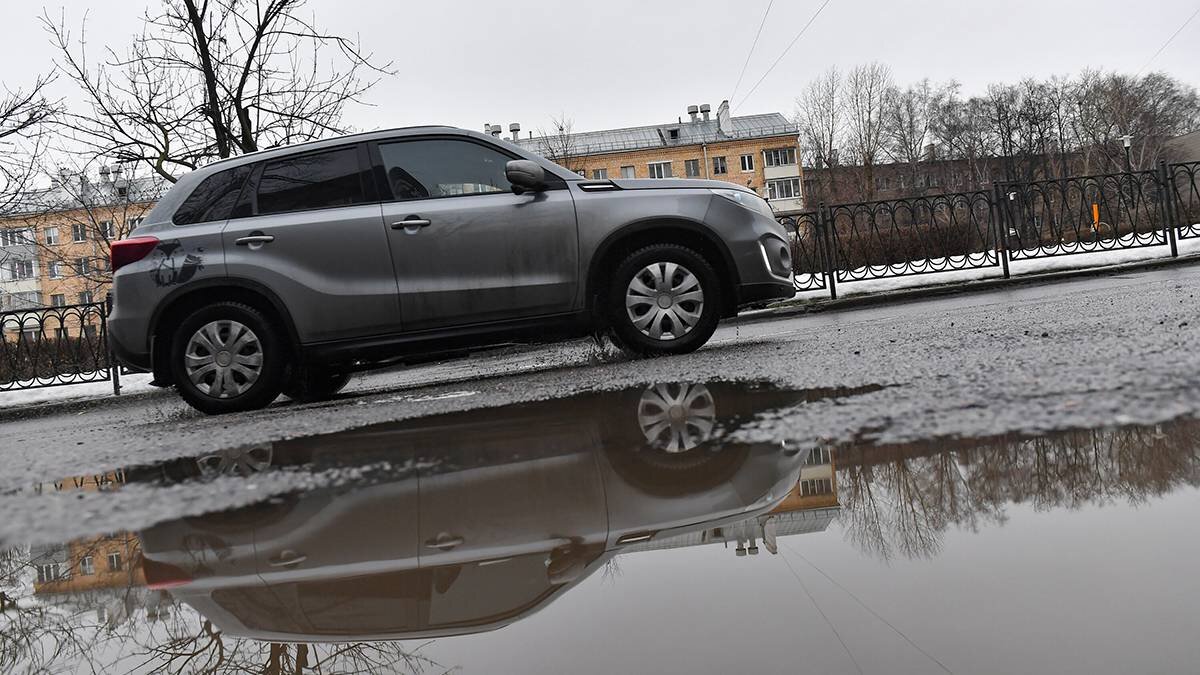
(307,385)
(228,357)
(651,315)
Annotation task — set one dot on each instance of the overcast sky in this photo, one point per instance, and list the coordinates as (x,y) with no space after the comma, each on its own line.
(610,63)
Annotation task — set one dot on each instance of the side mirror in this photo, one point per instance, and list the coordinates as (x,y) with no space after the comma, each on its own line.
(525,176)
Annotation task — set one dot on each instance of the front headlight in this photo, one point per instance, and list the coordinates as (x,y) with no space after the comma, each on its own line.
(747,200)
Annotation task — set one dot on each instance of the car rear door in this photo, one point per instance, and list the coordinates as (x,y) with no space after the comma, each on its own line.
(311,234)
(466,249)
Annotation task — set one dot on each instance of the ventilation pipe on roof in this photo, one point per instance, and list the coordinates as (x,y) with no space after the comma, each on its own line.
(515,130)
(487,127)
(705,109)
(496,130)
(693,111)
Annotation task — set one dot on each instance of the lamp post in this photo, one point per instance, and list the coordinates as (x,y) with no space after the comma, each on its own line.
(1127,141)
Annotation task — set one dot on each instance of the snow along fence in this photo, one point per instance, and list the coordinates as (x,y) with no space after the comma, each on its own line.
(992,229)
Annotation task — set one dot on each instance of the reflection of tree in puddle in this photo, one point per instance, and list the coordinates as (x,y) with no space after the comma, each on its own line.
(898,499)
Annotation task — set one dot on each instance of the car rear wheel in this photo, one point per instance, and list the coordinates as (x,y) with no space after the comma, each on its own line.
(227,357)
(315,384)
(664,299)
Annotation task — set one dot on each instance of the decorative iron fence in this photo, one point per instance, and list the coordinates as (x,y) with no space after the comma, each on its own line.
(54,346)
(1184,184)
(1083,214)
(990,229)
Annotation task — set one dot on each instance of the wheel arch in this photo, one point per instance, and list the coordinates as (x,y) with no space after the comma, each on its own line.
(186,300)
(666,230)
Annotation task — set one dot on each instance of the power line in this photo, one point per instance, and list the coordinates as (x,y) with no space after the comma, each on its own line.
(868,608)
(822,613)
(1169,40)
(785,51)
(752,46)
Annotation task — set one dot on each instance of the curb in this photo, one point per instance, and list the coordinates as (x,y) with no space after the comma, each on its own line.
(790,308)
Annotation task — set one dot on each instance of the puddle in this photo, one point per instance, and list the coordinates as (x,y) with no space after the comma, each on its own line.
(585,534)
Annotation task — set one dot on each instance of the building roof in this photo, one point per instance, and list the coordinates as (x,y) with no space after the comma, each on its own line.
(659,136)
(77,191)
(1186,148)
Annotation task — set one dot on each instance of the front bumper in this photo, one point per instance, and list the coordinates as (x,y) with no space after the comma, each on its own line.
(751,295)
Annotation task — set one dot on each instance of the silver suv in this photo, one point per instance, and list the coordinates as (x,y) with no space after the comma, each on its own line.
(288,269)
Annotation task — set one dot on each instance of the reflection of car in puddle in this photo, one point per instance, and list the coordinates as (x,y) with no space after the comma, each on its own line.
(465,522)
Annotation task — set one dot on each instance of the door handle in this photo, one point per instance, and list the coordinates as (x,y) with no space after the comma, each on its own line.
(409,222)
(444,542)
(287,558)
(253,239)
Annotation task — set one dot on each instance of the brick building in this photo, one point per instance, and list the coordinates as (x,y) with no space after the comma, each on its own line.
(757,151)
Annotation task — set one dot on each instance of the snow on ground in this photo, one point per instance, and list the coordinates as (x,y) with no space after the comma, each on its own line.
(132,384)
(1016,268)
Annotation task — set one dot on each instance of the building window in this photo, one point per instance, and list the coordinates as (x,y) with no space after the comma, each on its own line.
(52,572)
(52,235)
(87,566)
(54,269)
(673,134)
(20,269)
(659,169)
(114,562)
(691,168)
(787,188)
(134,222)
(817,457)
(61,333)
(599,174)
(85,297)
(780,157)
(627,172)
(23,300)
(83,266)
(15,237)
(719,166)
(58,300)
(816,486)
(883,183)
(747,162)
(107,230)
(78,232)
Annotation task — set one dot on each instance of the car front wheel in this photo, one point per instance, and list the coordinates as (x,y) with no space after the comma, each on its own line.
(227,357)
(664,299)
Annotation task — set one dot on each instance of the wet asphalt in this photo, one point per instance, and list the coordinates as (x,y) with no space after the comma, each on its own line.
(1087,353)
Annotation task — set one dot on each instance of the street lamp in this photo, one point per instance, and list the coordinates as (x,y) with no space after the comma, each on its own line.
(1127,141)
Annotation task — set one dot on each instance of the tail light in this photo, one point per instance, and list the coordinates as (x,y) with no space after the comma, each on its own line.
(131,250)
(161,576)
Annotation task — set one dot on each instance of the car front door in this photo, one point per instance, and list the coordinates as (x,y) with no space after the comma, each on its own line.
(312,236)
(466,249)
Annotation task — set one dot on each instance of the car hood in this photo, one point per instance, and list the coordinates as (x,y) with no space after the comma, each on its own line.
(674,184)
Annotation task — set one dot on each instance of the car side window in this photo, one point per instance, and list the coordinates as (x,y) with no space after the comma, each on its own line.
(420,169)
(213,199)
(314,181)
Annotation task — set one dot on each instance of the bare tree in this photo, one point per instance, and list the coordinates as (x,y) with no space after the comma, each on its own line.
(559,144)
(908,117)
(819,119)
(208,79)
(25,114)
(866,95)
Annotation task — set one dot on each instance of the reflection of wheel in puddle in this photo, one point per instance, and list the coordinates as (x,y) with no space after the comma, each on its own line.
(243,461)
(677,417)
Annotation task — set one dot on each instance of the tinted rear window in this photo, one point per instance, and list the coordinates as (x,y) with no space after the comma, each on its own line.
(214,198)
(317,181)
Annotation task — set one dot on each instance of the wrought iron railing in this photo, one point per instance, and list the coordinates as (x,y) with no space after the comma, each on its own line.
(1083,214)
(53,346)
(1184,182)
(1014,221)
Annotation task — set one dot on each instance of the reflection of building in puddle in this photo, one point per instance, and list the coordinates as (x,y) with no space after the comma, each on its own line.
(808,507)
(102,573)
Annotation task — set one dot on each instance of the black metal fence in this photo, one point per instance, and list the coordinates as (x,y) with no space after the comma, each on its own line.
(54,346)
(1013,221)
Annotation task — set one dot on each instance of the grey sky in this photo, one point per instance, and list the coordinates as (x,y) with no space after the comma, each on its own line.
(624,62)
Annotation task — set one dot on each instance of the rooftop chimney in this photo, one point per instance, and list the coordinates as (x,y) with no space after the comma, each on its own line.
(693,111)
(515,130)
(724,120)
(104,173)
(487,127)
(705,109)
